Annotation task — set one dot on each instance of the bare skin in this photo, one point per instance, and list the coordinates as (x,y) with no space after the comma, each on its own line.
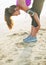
(17,12)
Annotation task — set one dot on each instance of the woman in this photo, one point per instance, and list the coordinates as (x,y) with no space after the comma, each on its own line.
(11,11)
(35,13)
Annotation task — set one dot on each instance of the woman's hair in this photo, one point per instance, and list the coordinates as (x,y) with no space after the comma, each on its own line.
(8,13)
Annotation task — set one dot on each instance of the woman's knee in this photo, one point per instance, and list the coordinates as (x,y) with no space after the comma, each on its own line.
(35,14)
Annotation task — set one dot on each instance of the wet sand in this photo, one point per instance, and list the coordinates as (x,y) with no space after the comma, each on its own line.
(13,51)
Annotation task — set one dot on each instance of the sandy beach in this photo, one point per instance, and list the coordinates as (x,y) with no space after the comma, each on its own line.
(13,51)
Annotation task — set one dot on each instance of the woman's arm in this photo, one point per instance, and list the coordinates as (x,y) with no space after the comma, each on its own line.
(22,5)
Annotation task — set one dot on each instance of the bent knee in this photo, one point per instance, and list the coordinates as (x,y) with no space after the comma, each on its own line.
(35,14)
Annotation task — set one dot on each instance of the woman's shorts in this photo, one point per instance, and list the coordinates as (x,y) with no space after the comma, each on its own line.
(30,11)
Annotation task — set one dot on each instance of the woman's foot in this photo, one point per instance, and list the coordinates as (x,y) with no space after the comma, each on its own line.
(30,39)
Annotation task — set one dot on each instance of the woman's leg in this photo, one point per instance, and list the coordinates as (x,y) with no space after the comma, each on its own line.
(35,25)
(34,30)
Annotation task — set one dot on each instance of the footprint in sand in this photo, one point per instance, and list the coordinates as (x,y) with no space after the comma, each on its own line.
(9,60)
